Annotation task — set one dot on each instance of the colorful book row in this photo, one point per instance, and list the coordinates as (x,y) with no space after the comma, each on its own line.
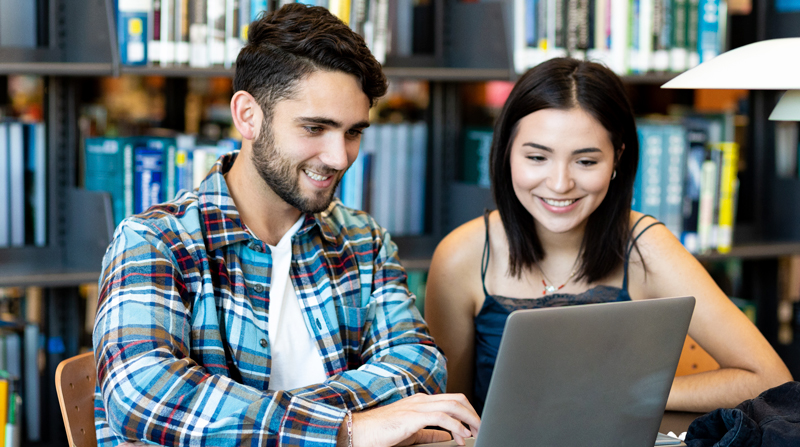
(139,172)
(205,33)
(629,36)
(688,179)
(23,184)
(388,179)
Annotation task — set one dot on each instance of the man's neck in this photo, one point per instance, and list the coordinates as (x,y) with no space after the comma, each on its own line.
(265,214)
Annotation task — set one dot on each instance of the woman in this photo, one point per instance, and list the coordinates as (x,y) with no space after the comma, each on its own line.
(563,163)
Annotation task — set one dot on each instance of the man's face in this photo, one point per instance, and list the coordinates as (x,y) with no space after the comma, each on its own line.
(312,139)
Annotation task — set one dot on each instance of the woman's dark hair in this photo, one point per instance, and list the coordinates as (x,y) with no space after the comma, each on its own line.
(286,45)
(563,84)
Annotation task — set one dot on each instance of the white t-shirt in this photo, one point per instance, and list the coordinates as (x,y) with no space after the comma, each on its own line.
(295,359)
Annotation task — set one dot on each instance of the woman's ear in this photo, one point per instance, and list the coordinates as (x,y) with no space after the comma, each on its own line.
(247,114)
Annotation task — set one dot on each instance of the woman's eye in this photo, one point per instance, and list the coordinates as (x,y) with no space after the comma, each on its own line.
(587,162)
(536,158)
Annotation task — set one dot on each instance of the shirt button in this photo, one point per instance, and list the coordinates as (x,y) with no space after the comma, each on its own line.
(258,288)
(263,342)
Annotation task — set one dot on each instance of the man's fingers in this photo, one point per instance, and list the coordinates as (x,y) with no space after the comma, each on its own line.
(426,436)
(452,408)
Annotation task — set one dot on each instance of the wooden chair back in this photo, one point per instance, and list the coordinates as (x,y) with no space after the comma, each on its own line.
(75,381)
(694,359)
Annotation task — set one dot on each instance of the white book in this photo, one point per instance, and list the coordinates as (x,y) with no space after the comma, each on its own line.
(380,29)
(198,34)
(167,32)
(216,31)
(5,206)
(619,36)
(233,41)
(16,163)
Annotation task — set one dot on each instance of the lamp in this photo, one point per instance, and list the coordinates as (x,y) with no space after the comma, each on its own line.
(765,65)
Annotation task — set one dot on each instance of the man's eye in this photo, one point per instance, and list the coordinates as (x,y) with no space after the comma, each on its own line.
(354,133)
(313,129)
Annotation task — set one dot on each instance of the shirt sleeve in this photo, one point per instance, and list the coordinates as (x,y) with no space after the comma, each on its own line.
(397,356)
(151,388)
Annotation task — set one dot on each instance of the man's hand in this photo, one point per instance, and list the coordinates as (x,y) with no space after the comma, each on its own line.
(403,422)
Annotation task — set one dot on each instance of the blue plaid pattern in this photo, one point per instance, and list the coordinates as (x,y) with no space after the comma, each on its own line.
(183,316)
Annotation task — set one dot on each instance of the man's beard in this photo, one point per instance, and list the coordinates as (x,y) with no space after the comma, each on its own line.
(283,177)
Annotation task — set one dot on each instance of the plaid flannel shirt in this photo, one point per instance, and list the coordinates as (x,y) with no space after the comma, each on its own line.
(180,335)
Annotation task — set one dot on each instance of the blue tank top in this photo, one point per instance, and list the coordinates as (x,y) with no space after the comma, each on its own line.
(491,319)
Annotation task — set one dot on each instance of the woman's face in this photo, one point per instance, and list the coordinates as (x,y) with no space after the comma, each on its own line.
(561,166)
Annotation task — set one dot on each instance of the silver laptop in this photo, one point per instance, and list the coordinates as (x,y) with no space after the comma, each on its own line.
(588,375)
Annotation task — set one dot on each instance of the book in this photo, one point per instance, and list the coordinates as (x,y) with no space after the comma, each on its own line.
(400,186)
(233,41)
(16,188)
(4,383)
(154,33)
(167,32)
(149,176)
(708,37)
(109,167)
(692,30)
(652,145)
(181,23)
(477,147)
(696,140)
(132,30)
(678,54)
(31,374)
(708,192)
(35,185)
(198,34)
(217,36)
(673,173)
(727,192)
(417,178)
(5,205)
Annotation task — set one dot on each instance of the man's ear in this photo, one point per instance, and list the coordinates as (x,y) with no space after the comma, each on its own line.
(247,114)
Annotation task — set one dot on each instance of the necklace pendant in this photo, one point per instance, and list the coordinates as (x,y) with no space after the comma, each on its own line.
(549,289)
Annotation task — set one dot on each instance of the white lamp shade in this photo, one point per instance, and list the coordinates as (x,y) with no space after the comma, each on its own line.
(765,65)
(788,108)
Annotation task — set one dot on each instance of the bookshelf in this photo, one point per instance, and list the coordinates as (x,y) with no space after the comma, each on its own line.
(83,46)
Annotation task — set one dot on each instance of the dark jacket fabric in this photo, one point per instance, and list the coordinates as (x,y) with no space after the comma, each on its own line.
(770,420)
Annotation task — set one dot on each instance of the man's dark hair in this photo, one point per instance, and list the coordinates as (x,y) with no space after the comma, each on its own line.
(286,45)
(563,84)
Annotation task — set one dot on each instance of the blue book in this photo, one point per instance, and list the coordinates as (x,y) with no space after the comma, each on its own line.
(651,146)
(672,177)
(168,148)
(16,188)
(109,168)
(148,177)
(708,36)
(132,31)
(35,185)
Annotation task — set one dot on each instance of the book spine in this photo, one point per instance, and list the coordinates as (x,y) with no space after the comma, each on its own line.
(32,390)
(620,35)
(727,186)
(696,137)
(400,199)
(673,172)
(215,14)
(132,31)
(692,28)
(16,188)
(705,218)
(233,43)
(148,177)
(154,33)
(418,174)
(167,32)
(198,34)
(5,206)
(708,38)
(678,56)
(652,147)
(182,44)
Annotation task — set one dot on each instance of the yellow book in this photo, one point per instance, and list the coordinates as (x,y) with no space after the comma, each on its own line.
(3,404)
(728,184)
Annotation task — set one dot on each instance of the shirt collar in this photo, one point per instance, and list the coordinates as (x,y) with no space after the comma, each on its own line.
(222,224)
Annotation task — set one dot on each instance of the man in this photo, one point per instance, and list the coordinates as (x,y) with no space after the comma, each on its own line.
(256,310)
